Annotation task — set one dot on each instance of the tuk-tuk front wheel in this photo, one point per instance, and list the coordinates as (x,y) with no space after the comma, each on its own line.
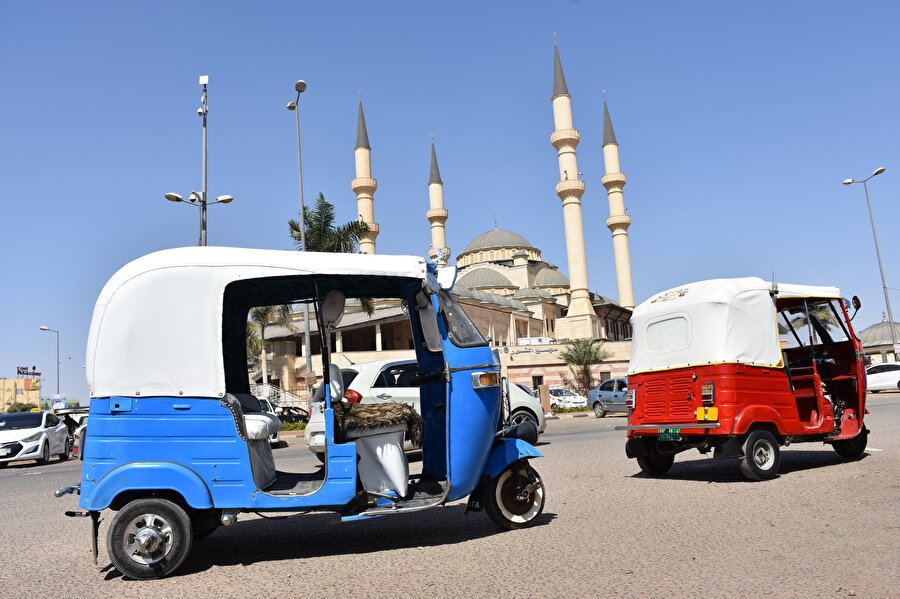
(149,538)
(762,456)
(515,497)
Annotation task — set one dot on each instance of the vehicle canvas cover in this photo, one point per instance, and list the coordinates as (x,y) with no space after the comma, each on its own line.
(712,322)
(157,325)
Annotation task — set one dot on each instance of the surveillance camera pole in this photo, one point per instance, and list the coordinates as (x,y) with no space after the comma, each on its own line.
(203,110)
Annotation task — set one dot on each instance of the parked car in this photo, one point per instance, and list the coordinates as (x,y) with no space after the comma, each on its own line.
(883,377)
(564,398)
(78,443)
(32,436)
(386,381)
(608,396)
(274,438)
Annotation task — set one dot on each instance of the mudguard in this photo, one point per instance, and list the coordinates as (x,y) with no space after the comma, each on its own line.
(151,476)
(754,414)
(504,453)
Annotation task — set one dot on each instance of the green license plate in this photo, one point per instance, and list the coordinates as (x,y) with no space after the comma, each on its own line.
(670,434)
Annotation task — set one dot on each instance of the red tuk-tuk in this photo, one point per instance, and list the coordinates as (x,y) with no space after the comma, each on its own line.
(743,367)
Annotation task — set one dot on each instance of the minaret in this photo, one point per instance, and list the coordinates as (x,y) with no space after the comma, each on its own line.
(569,189)
(364,185)
(618,222)
(437,216)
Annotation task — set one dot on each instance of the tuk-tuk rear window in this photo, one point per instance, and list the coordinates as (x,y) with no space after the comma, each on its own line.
(460,330)
(669,334)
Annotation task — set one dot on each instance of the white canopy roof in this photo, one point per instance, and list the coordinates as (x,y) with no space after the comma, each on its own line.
(711,322)
(157,325)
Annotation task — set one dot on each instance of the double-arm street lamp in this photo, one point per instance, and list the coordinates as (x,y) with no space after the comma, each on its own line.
(294,106)
(199,199)
(57,354)
(887,300)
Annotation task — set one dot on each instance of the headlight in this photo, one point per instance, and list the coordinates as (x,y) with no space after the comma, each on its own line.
(32,438)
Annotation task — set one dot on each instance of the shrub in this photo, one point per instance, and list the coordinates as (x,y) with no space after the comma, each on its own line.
(293,426)
(20,407)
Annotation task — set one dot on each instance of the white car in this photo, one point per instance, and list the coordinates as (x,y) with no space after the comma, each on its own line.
(32,436)
(386,381)
(564,398)
(265,406)
(883,377)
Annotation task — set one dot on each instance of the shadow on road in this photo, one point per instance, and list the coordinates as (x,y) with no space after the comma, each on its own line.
(709,470)
(256,540)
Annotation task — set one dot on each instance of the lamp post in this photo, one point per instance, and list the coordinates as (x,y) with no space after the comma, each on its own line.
(294,107)
(887,300)
(199,199)
(57,354)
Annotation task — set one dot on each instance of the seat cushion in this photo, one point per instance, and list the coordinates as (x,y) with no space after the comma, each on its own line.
(260,425)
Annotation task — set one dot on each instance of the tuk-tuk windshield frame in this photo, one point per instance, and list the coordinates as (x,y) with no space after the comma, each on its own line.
(812,323)
(461,331)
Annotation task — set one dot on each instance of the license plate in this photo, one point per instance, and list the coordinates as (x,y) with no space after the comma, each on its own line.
(670,434)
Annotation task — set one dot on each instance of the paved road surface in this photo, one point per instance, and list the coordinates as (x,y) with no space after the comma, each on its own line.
(825,528)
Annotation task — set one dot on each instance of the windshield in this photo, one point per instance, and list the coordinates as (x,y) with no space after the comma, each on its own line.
(811,323)
(460,329)
(20,420)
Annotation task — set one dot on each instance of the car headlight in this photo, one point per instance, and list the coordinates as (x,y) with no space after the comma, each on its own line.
(32,438)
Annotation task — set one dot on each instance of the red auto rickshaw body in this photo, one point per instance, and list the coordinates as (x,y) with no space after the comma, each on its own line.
(716,364)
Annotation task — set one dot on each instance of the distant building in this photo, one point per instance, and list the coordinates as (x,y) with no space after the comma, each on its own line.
(876,341)
(19,390)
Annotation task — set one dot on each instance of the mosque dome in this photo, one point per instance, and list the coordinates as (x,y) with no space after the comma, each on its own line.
(878,334)
(548,277)
(497,238)
(529,293)
(483,277)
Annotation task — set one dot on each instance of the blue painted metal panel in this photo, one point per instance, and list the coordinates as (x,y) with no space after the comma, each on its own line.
(150,475)
(507,451)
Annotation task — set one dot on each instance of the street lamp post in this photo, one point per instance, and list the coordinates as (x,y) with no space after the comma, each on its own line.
(887,300)
(199,199)
(294,106)
(57,354)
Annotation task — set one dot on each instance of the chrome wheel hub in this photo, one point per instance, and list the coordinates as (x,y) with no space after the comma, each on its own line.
(148,539)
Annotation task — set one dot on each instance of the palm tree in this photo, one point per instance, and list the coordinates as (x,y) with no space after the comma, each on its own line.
(321,233)
(323,236)
(262,317)
(580,356)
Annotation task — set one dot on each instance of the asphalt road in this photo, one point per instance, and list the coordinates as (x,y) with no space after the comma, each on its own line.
(825,528)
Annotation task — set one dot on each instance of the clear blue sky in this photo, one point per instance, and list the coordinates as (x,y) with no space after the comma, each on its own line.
(736,124)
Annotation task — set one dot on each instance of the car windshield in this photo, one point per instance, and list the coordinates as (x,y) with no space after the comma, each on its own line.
(20,420)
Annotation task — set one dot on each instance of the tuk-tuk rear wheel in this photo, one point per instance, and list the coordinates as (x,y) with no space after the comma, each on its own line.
(762,456)
(852,448)
(149,538)
(515,497)
(655,463)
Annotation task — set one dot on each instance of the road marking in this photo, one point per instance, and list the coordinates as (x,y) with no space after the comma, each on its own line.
(29,473)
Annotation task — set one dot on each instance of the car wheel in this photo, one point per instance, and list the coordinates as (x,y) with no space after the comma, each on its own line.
(66,449)
(762,456)
(149,538)
(321,456)
(81,445)
(599,411)
(3,465)
(515,497)
(852,448)
(520,416)
(553,406)
(655,463)
(45,454)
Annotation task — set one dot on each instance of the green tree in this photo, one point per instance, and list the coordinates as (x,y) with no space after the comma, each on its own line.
(262,317)
(580,356)
(321,233)
(20,407)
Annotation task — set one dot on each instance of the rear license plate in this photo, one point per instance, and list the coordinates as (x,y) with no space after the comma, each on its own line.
(670,434)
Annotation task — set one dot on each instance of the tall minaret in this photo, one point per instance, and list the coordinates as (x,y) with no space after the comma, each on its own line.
(618,222)
(569,189)
(364,185)
(437,216)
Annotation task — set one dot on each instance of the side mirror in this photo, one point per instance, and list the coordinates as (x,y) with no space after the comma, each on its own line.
(856,306)
(446,276)
(333,307)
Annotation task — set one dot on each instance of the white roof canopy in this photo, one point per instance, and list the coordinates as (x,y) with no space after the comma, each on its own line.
(711,322)
(157,325)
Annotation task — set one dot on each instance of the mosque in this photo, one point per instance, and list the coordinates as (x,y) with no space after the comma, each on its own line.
(520,302)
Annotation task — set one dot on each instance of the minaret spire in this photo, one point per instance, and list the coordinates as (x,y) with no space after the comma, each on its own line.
(436,215)
(364,185)
(618,221)
(581,320)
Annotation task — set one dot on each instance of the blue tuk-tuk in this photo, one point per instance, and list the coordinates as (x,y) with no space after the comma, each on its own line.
(177,444)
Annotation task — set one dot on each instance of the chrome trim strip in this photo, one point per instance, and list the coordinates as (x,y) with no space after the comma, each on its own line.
(656,427)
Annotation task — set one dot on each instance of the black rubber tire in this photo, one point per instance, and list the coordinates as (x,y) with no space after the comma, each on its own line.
(3,465)
(854,448)
(655,463)
(501,504)
(320,455)
(553,406)
(81,445)
(520,416)
(66,450)
(205,522)
(167,521)
(762,456)
(45,455)
(599,411)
